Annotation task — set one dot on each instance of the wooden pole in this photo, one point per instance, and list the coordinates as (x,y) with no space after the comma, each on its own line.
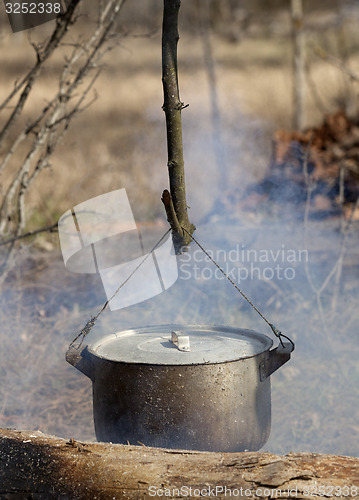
(174,200)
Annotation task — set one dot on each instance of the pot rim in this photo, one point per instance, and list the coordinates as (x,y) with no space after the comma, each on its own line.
(260,343)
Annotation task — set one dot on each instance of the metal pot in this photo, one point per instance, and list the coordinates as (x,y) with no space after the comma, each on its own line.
(188,387)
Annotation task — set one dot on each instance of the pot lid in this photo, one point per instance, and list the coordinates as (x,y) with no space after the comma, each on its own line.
(195,344)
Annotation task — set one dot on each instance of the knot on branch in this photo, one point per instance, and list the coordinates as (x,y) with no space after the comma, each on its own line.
(181,105)
(181,239)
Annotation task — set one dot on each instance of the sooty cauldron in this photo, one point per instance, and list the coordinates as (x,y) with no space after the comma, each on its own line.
(190,387)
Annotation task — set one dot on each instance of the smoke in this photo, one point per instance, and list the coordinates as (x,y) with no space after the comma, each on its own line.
(280,266)
(314,396)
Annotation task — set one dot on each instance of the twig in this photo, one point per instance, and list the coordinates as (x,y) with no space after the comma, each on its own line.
(337,267)
(171,213)
(62,23)
(310,187)
(53,120)
(320,52)
(30,128)
(47,229)
(317,291)
(47,137)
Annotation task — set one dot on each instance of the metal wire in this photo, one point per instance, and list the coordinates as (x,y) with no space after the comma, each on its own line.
(274,329)
(91,322)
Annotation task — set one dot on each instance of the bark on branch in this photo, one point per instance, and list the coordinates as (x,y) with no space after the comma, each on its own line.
(172,106)
(34,465)
(62,25)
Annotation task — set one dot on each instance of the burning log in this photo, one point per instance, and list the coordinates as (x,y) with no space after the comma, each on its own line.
(34,465)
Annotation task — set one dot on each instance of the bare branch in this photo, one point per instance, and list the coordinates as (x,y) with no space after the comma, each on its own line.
(52,122)
(62,24)
(47,229)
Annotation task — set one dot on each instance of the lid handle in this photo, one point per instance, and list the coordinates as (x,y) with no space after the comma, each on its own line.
(180,341)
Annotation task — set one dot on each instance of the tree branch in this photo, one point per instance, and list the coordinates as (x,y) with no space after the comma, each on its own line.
(172,107)
(47,229)
(62,23)
(46,130)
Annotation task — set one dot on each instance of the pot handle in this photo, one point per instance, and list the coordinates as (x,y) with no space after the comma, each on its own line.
(277,358)
(80,360)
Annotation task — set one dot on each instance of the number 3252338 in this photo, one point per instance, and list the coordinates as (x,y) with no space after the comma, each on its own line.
(33,8)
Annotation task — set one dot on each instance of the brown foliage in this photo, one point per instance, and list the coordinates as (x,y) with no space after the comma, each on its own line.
(323,160)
